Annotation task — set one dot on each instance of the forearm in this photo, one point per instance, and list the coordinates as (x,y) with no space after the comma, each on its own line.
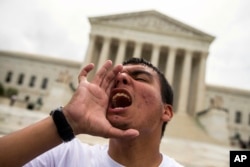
(22,146)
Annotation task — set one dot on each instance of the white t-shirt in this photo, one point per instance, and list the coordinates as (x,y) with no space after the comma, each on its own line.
(78,154)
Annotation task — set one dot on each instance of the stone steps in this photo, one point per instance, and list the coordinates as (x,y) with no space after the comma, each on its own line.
(186,127)
(13,118)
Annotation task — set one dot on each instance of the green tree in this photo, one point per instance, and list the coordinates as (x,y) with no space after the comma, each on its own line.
(10,92)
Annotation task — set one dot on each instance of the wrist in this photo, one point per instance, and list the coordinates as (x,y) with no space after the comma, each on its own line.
(70,120)
(64,129)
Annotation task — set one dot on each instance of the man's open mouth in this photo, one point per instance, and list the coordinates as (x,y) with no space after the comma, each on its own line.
(120,100)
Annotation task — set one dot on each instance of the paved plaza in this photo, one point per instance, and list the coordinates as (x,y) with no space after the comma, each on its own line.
(190,153)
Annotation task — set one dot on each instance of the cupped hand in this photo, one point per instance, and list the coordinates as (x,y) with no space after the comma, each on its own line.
(86,111)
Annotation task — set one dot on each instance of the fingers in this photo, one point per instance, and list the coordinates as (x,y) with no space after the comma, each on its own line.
(83,74)
(106,75)
(109,80)
(100,75)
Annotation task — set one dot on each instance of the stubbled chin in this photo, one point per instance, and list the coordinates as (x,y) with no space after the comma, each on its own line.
(116,121)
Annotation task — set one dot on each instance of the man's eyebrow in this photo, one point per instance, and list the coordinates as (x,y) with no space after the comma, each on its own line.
(137,72)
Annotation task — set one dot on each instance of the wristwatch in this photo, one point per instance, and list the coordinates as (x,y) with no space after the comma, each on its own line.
(63,128)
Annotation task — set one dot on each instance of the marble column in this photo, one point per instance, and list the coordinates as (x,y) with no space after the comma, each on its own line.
(137,50)
(184,83)
(121,52)
(90,50)
(155,55)
(200,90)
(170,65)
(104,52)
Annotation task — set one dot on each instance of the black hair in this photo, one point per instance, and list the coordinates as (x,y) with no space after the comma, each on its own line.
(167,94)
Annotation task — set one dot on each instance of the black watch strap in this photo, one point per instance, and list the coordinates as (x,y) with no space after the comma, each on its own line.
(63,128)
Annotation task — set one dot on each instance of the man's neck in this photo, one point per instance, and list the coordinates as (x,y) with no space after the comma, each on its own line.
(136,152)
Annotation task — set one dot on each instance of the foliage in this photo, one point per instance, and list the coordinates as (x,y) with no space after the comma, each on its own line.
(1,89)
(10,92)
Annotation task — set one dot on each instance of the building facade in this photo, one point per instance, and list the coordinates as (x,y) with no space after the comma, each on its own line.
(34,75)
(177,49)
(236,104)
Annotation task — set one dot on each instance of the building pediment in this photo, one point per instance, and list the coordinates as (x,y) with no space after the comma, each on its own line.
(152,21)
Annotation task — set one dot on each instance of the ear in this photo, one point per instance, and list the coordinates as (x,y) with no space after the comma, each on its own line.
(167,112)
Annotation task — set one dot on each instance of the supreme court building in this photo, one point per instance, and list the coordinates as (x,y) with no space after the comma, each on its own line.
(177,49)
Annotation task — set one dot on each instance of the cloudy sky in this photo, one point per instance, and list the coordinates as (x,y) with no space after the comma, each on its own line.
(59,28)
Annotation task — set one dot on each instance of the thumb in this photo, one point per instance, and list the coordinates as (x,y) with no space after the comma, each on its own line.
(84,72)
(118,133)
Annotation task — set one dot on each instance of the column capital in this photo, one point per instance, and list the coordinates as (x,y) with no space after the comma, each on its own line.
(204,54)
(188,51)
(106,38)
(122,40)
(138,43)
(92,35)
(172,48)
(156,45)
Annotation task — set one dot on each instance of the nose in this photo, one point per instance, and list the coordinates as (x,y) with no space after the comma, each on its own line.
(122,79)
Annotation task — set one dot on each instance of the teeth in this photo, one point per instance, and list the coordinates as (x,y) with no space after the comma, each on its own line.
(119,95)
(116,96)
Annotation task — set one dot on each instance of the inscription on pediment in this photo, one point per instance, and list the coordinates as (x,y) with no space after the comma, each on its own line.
(151,22)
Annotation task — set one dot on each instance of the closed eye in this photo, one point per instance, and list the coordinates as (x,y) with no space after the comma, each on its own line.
(141,76)
(140,79)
